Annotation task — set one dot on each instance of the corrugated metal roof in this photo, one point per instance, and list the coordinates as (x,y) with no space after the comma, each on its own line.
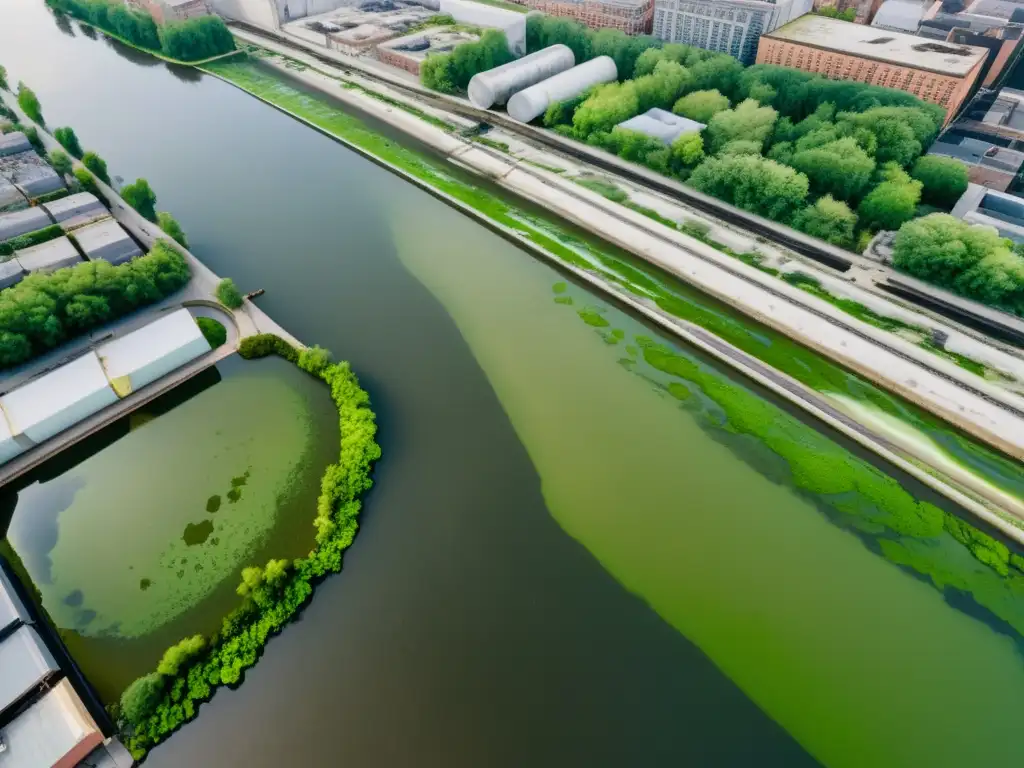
(24,663)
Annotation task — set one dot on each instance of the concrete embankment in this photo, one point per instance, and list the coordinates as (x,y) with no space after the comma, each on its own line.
(972,496)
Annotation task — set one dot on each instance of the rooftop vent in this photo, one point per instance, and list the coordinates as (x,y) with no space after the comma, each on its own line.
(940,48)
(880,40)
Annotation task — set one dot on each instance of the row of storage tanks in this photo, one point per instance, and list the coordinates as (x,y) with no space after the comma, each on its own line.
(56,401)
(528,86)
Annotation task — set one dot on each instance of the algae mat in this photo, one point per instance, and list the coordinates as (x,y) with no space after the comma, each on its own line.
(865,656)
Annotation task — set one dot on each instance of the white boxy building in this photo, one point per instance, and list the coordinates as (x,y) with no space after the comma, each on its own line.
(76,210)
(108,241)
(512,23)
(49,256)
(143,356)
(57,400)
(22,222)
(56,730)
(24,663)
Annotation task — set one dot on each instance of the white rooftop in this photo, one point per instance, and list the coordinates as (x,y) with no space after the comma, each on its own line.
(22,222)
(49,256)
(661,124)
(24,663)
(105,239)
(881,45)
(82,203)
(13,143)
(48,732)
(11,608)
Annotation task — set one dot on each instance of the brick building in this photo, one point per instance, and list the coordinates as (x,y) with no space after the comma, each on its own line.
(634,17)
(941,73)
(865,9)
(164,11)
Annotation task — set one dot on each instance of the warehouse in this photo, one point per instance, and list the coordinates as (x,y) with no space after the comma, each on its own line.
(22,222)
(57,400)
(11,273)
(49,256)
(106,240)
(56,730)
(30,173)
(662,125)
(143,356)
(25,663)
(13,143)
(75,210)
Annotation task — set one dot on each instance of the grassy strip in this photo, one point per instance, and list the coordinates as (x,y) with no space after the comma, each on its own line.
(156,705)
(49,197)
(44,235)
(632,274)
(501,146)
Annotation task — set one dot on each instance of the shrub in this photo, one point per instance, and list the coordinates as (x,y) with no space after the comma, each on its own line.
(753,183)
(943,180)
(141,197)
(68,140)
(264,344)
(49,197)
(3,79)
(141,697)
(213,331)
(86,181)
(97,165)
(196,39)
(61,161)
(748,121)
(228,293)
(29,103)
(701,105)
(314,359)
(170,225)
(892,202)
(32,135)
(52,232)
(829,219)
(177,655)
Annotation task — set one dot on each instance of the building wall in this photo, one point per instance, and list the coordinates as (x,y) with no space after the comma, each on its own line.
(187,10)
(633,20)
(866,9)
(400,60)
(726,26)
(945,90)
(1002,56)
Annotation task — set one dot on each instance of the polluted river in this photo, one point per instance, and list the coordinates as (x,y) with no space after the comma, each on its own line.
(587,544)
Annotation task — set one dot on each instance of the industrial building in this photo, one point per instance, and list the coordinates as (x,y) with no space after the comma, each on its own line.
(22,222)
(530,103)
(30,174)
(75,210)
(496,86)
(725,26)
(48,405)
(899,16)
(49,256)
(662,125)
(143,356)
(410,51)
(634,17)
(512,23)
(980,205)
(988,164)
(936,72)
(356,29)
(14,143)
(106,240)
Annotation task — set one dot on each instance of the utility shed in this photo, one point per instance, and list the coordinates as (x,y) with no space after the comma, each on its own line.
(76,210)
(24,663)
(11,273)
(49,256)
(22,222)
(108,241)
(662,125)
(13,143)
(12,610)
(57,400)
(30,173)
(143,356)
(55,731)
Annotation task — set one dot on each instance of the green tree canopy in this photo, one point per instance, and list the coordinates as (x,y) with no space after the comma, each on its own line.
(753,183)
(228,293)
(60,161)
(662,87)
(607,106)
(29,103)
(839,168)
(141,197)
(748,120)
(451,72)
(195,39)
(141,697)
(97,165)
(943,179)
(701,105)
(687,152)
(828,219)
(170,225)
(67,139)
(892,202)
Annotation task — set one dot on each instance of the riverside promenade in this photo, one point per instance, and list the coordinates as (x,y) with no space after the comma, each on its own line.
(198,296)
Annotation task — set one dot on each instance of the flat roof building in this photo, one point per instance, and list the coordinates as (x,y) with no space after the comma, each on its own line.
(988,164)
(662,125)
(634,17)
(988,207)
(25,663)
(22,222)
(154,350)
(409,52)
(941,73)
(75,210)
(14,143)
(106,240)
(30,173)
(899,16)
(12,609)
(56,730)
(48,405)
(49,256)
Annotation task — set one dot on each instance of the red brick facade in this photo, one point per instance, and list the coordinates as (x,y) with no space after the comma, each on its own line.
(631,19)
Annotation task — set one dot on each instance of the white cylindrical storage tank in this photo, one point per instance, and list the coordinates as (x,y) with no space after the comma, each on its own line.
(495,86)
(532,102)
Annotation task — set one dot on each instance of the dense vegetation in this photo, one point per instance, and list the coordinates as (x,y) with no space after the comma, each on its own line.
(66,138)
(3,79)
(189,40)
(228,293)
(213,331)
(97,165)
(971,260)
(29,103)
(141,197)
(44,310)
(156,704)
(170,225)
(60,161)
(451,72)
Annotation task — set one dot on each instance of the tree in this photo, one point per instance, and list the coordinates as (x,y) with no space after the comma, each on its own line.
(687,152)
(29,103)
(840,168)
(753,183)
(67,139)
(141,697)
(61,161)
(543,31)
(892,202)
(135,27)
(228,293)
(170,225)
(194,39)
(434,73)
(701,105)
(662,87)
(828,219)
(607,106)
(451,72)
(180,655)
(86,181)
(741,147)
(3,79)
(561,112)
(943,180)
(718,72)
(849,14)
(97,165)
(748,120)
(141,197)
